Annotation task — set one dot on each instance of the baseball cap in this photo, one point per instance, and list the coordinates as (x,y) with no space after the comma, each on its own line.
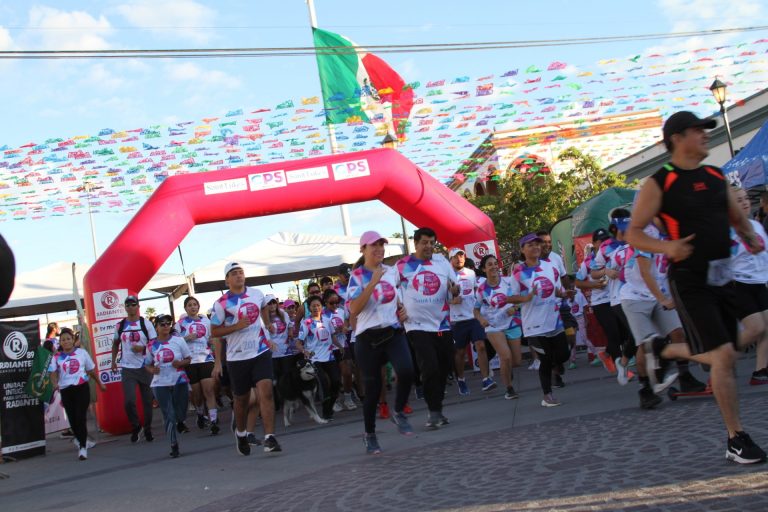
(530,237)
(131,298)
(344,269)
(229,267)
(371,237)
(621,223)
(453,252)
(289,302)
(163,317)
(269,298)
(681,121)
(600,234)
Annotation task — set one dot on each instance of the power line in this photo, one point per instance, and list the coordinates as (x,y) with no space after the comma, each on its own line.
(335,50)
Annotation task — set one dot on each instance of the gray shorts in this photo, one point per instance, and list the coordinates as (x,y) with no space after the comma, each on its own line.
(646,318)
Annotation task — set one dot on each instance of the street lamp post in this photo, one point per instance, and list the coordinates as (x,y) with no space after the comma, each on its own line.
(718,91)
(390,142)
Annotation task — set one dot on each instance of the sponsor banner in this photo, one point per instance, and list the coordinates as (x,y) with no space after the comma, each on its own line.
(477,250)
(267,180)
(225,186)
(103,334)
(311,174)
(108,376)
(352,169)
(21,416)
(103,362)
(108,304)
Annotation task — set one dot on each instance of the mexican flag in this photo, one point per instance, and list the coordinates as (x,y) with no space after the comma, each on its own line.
(359,86)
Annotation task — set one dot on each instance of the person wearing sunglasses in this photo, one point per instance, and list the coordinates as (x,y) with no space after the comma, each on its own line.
(339,319)
(166,358)
(132,336)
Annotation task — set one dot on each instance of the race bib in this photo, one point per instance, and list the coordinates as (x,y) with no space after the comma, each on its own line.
(719,272)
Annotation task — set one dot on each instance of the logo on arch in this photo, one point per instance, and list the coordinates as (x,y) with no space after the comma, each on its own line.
(426,282)
(384,293)
(480,250)
(545,286)
(110,300)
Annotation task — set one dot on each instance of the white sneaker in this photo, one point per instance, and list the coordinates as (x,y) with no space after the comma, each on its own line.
(549,401)
(621,372)
(88,443)
(337,407)
(535,365)
(82,453)
(348,403)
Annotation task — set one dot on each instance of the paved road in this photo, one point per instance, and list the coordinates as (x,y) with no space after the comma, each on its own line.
(596,452)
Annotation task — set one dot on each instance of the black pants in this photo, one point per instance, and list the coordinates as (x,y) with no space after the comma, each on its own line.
(616,330)
(76,400)
(281,366)
(370,359)
(556,352)
(434,355)
(330,378)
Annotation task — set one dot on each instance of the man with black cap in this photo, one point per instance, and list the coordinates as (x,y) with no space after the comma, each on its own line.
(132,336)
(698,207)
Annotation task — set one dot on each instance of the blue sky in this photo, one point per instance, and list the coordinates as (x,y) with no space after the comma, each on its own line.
(63,98)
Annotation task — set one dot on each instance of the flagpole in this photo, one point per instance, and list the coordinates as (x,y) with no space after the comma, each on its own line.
(331,131)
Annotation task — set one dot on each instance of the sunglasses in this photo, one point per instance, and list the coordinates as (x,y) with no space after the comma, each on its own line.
(333,303)
(131,304)
(291,308)
(164,324)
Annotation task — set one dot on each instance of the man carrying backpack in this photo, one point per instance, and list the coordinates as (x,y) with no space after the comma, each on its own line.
(132,335)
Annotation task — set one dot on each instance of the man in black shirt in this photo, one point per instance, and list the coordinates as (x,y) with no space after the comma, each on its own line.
(697,207)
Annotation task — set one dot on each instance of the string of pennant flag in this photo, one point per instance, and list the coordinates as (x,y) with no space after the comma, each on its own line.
(116,169)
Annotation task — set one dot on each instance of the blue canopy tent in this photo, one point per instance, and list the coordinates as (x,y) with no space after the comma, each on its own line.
(750,166)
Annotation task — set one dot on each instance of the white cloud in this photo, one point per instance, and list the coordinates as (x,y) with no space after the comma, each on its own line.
(100,76)
(189,72)
(69,30)
(6,42)
(186,16)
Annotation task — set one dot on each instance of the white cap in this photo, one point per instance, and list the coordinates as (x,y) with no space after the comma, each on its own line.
(229,267)
(453,252)
(269,298)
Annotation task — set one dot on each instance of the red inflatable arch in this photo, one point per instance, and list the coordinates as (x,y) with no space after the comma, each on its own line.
(181,202)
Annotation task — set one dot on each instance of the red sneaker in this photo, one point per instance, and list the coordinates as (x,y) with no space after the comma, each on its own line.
(407,409)
(383,410)
(608,363)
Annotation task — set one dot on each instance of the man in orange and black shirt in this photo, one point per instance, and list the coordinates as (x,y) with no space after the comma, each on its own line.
(697,207)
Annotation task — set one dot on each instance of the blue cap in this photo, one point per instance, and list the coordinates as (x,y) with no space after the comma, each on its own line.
(621,223)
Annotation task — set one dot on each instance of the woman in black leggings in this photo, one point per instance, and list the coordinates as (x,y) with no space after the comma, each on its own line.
(372,299)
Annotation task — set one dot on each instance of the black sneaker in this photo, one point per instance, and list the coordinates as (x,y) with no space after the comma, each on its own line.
(201,422)
(135,434)
(271,444)
(175,450)
(511,394)
(182,427)
(215,427)
(743,450)
(148,437)
(433,421)
(558,382)
(658,364)
(649,399)
(252,440)
(442,421)
(243,447)
(690,384)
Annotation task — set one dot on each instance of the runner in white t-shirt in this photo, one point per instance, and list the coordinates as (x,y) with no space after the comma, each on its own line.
(373,301)
(69,369)
(540,285)
(132,335)
(750,275)
(166,359)
(596,290)
(240,316)
(338,314)
(427,283)
(196,331)
(465,327)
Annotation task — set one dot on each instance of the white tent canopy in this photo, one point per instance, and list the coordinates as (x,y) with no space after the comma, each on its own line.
(287,256)
(49,289)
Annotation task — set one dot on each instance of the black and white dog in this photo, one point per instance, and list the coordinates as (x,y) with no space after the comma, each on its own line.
(297,387)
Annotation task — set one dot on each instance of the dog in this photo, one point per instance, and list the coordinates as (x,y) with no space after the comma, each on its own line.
(298,387)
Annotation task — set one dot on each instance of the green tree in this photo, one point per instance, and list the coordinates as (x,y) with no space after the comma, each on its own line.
(528,202)
(150,311)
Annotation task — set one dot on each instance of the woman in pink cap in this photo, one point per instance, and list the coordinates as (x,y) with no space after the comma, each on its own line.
(372,298)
